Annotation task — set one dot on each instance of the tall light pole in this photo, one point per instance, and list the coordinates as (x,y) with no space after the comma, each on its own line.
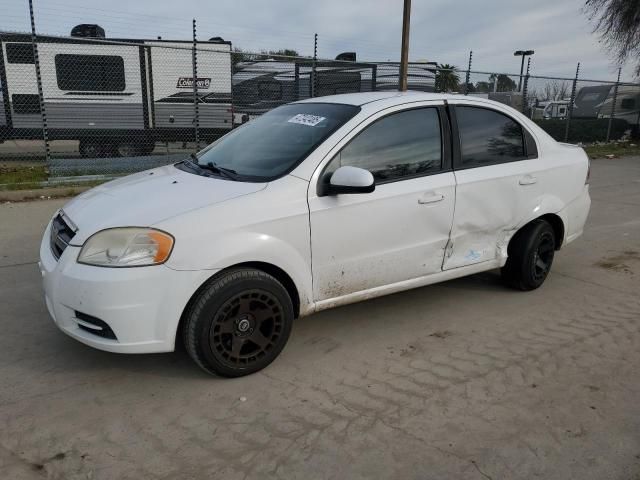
(523,54)
(404,54)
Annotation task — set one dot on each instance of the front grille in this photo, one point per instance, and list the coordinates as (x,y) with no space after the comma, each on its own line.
(94,325)
(61,235)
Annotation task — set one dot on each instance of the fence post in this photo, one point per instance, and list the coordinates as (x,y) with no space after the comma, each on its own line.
(525,87)
(613,107)
(196,113)
(374,77)
(313,65)
(573,99)
(36,60)
(468,76)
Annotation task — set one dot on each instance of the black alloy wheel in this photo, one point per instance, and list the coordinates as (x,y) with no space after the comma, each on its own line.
(530,256)
(238,322)
(246,327)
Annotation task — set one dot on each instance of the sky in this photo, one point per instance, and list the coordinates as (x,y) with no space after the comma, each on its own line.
(441,30)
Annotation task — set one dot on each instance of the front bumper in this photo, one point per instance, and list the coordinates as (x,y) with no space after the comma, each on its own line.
(142,305)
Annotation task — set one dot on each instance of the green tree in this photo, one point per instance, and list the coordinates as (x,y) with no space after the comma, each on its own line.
(505,84)
(618,23)
(447,78)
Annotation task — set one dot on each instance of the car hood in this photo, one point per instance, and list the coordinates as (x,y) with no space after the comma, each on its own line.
(146,198)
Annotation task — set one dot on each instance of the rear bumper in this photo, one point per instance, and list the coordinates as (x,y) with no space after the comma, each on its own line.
(142,306)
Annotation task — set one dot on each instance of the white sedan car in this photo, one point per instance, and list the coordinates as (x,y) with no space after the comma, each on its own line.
(315,204)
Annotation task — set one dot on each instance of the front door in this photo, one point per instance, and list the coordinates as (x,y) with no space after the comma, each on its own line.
(399,231)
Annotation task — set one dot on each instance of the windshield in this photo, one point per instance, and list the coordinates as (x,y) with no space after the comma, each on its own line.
(275,143)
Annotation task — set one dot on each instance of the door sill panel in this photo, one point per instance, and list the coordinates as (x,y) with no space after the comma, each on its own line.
(408,284)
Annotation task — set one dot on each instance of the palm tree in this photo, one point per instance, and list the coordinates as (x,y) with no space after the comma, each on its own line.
(447,78)
(618,22)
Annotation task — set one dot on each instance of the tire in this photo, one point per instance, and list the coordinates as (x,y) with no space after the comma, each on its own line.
(530,256)
(127,149)
(148,147)
(238,323)
(91,148)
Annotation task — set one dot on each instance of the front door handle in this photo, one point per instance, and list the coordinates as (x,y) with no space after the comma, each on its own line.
(528,180)
(430,198)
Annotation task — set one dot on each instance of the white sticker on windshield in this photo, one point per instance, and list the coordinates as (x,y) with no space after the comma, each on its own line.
(306,119)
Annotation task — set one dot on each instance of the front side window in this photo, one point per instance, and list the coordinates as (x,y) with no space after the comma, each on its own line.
(90,73)
(404,144)
(273,144)
(488,137)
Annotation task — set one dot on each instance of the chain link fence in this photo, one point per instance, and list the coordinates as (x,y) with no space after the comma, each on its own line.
(87,105)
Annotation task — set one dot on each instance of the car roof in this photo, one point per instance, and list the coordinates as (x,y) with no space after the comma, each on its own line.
(363,98)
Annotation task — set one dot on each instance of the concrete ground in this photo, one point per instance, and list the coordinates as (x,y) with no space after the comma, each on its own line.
(465,379)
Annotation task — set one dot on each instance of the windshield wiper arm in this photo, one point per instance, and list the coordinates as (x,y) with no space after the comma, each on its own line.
(193,165)
(212,167)
(224,172)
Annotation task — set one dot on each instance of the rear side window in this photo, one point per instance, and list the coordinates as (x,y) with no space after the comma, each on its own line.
(401,145)
(19,53)
(488,137)
(90,73)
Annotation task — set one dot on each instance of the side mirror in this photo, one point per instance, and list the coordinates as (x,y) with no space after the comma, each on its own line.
(350,180)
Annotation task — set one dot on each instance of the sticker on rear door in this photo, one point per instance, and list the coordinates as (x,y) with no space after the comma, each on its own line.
(306,119)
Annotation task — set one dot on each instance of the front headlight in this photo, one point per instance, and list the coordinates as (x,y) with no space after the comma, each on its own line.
(126,247)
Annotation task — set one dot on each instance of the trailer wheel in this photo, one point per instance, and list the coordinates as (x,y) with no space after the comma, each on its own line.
(148,147)
(91,148)
(127,149)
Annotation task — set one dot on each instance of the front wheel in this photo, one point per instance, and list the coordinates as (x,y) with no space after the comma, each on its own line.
(531,253)
(238,323)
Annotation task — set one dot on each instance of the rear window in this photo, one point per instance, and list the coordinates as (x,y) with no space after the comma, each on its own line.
(275,143)
(488,137)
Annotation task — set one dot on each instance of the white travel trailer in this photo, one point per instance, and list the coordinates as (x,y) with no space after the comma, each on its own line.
(116,96)
(550,109)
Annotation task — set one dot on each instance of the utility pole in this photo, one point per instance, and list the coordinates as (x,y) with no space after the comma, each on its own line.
(523,54)
(404,54)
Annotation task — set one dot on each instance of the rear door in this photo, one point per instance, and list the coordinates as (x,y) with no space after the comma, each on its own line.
(497,175)
(400,230)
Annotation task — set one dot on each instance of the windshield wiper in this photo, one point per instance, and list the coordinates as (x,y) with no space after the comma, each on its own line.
(191,164)
(212,167)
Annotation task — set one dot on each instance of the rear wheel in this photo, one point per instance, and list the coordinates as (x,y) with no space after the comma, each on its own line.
(238,323)
(91,148)
(127,149)
(531,253)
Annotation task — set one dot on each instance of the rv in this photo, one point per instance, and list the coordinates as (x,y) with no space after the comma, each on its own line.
(546,110)
(597,102)
(115,96)
(259,86)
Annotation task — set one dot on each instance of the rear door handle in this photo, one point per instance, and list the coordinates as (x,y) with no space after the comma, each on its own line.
(528,180)
(430,198)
